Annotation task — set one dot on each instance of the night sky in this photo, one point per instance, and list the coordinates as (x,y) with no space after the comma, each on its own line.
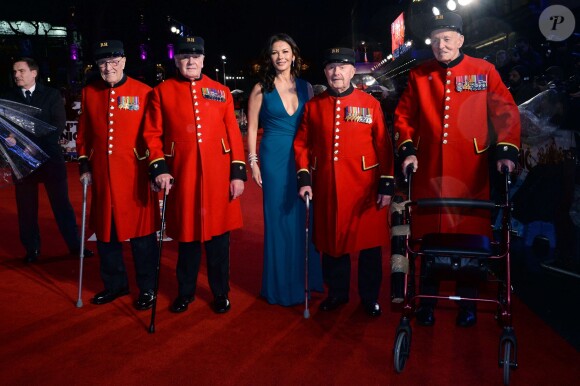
(235,28)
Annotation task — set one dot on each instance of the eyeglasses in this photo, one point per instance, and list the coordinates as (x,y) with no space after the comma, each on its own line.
(103,63)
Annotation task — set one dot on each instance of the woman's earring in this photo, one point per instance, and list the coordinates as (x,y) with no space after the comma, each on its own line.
(292,62)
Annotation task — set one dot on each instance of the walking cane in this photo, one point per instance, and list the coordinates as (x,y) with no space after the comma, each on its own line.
(409,170)
(162,231)
(82,253)
(399,232)
(306,287)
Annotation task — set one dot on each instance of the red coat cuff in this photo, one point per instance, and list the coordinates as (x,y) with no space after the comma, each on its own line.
(304,179)
(238,171)
(505,150)
(158,167)
(406,149)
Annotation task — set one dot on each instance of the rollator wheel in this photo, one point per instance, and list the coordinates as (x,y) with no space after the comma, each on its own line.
(401,350)
(507,352)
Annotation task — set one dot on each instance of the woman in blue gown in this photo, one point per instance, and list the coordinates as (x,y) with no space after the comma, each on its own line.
(276,104)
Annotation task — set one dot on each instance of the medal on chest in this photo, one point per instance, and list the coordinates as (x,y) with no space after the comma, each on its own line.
(128,103)
(471,82)
(213,94)
(358,114)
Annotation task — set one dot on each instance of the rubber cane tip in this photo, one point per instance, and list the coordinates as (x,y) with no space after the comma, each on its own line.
(79,304)
(306,314)
(151,329)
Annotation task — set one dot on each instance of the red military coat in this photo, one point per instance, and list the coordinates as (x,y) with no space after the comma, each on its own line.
(109,135)
(449,116)
(343,141)
(192,126)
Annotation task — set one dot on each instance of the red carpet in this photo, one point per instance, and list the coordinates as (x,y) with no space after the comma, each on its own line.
(46,340)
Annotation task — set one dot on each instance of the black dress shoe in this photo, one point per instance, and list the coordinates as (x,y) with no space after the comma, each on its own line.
(373,309)
(466,318)
(86,253)
(107,296)
(181,303)
(425,316)
(221,304)
(331,303)
(145,300)
(31,256)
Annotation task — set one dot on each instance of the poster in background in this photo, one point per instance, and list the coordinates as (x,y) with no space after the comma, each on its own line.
(68,140)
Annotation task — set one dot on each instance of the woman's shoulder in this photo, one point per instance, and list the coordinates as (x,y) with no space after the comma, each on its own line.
(257,87)
(257,90)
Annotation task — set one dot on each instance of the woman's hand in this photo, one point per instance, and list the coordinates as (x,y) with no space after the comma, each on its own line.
(256,174)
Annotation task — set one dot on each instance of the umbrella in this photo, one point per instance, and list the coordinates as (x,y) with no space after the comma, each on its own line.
(18,152)
(537,117)
(318,89)
(25,117)
(377,88)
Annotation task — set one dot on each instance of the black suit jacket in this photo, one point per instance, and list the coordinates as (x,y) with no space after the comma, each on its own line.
(53,112)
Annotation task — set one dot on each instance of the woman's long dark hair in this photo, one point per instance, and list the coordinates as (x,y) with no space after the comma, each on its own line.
(267,71)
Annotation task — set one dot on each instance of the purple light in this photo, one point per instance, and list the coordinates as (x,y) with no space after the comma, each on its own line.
(143,51)
(74,52)
(170,51)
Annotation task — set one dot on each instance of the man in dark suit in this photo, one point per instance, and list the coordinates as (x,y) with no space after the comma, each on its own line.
(52,174)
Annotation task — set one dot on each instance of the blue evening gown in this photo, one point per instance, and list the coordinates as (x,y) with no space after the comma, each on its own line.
(284,210)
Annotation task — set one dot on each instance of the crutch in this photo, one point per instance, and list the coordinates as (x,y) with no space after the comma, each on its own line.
(306,287)
(82,252)
(162,231)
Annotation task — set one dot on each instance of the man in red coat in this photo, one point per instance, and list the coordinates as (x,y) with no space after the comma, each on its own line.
(343,156)
(113,157)
(441,128)
(193,135)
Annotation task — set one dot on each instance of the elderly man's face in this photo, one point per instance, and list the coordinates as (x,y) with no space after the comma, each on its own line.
(339,75)
(24,77)
(189,65)
(111,69)
(446,44)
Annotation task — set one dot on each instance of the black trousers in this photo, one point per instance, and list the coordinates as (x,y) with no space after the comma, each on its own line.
(53,176)
(217,251)
(429,285)
(145,255)
(336,274)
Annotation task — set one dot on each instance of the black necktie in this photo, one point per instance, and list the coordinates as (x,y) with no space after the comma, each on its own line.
(28,96)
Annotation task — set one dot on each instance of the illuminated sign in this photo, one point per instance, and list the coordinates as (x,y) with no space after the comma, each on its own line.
(31,28)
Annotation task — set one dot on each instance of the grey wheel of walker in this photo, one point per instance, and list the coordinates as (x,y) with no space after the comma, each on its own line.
(401,350)
(507,352)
